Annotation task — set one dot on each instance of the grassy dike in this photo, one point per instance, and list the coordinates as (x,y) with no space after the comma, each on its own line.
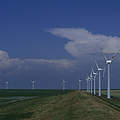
(73,105)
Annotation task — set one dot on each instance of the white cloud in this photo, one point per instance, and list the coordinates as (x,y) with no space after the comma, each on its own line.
(82,41)
(16,64)
(64,63)
(3,55)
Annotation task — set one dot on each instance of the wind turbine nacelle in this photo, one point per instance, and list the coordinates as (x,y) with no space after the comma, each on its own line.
(108,61)
(99,69)
(94,73)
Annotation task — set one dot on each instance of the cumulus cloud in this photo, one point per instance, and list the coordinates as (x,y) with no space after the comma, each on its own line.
(81,41)
(3,55)
(16,64)
(63,63)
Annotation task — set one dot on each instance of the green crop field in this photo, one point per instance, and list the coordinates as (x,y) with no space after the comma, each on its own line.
(58,105)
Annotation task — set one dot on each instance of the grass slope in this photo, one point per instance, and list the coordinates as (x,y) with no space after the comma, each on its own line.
(73,105)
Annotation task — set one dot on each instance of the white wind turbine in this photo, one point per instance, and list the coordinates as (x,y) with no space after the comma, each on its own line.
(99,72)
(6,84)
(63,83)
(87,84)
(80,84)
(91,86)
(108,62)
(33,84)
(94,79)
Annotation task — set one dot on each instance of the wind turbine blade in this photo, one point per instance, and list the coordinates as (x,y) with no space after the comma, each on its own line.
(114,56)
(92,70)
(91,74)
(96,64)
(104,70)
(105,58)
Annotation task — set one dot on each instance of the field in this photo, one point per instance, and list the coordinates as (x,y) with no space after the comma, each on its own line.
(58,105)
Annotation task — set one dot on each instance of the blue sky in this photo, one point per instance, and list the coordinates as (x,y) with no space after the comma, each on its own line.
(42,30)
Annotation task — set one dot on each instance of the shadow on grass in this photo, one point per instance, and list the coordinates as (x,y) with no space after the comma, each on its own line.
(111,102)
(16,116)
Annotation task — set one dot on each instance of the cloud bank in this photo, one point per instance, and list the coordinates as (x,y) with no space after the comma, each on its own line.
(14,65)
(81,41)
(49,73)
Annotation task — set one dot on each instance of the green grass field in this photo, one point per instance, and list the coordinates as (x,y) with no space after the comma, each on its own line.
(58,105)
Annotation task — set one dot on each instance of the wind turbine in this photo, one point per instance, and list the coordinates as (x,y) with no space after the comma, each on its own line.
(108,62)
(94,79)
(91,79)
(33,84)
(87,84)
(63,82)
(6,84)
(80,84)
(99,72)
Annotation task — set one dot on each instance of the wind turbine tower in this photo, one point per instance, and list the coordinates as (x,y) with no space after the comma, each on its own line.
(63,83)
(94,79)
(99,72)
(91,86)
(6,84)
(89,81)
(33,84)
(87,84)
(80,84)
(108,62)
